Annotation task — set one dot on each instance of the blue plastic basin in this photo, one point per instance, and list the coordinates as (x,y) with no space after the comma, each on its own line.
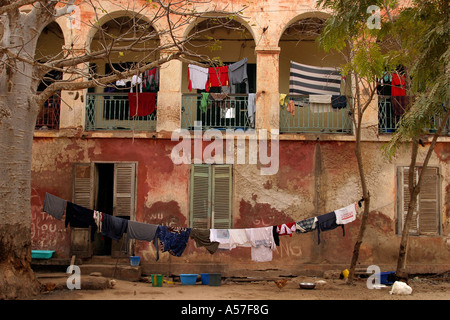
(41,254)
(134,261)
(188,278)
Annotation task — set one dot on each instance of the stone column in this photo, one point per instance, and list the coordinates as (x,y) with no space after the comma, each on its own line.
(169,96)
(73,102)
(267,96)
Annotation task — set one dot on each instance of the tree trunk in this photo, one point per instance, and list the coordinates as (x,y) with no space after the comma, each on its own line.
(413,191)
(360,106)
(17,121)
(18,111)
(366,197)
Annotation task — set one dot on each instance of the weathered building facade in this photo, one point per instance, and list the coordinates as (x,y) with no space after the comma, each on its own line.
(96,157)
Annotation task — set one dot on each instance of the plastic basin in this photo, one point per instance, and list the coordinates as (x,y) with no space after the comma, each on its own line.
(205,278)
(134,261)
(188,278)
(386,278)
(215,279)
(41,254)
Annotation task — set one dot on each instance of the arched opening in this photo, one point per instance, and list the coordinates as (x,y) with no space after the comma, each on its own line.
(216,88)
(129,42)
(49,47)
(310,78)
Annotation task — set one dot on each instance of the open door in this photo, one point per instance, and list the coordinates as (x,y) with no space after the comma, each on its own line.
(108,187)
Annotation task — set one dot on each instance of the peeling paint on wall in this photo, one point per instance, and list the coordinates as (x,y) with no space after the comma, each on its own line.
(258,201)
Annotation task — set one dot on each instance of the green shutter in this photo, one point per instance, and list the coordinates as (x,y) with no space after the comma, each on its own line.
(83,185)
(124,189)
(429,202)
(200,202)
(221,196)
(426,213)
(404,201)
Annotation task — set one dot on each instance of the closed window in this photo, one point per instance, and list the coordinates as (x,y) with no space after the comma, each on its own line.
(211,196)
(426,215)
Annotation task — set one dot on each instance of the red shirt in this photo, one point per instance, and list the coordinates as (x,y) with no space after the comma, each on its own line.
(398,85)
(218,77)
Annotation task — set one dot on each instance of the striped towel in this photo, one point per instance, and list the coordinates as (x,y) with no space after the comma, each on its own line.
(306,79)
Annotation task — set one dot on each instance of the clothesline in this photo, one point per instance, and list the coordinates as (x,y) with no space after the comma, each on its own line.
(262,240)
(222,76)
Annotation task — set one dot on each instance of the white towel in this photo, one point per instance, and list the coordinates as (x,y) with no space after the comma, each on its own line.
(261,237)
(320,98)
(346,214)
(135,81)
(262,243)
(251,106)
(229,238)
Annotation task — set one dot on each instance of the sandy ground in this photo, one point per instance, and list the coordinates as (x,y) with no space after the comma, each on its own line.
(326,289)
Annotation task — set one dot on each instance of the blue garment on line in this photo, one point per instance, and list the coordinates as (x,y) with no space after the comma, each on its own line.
(327,222)
(173,240)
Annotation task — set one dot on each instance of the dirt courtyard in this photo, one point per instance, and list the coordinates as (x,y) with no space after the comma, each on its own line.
(326,289)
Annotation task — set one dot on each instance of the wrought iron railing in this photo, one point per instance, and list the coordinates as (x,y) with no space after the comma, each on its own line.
(299,115)
(48,117)
(391,110)
(111,111)
(228,113)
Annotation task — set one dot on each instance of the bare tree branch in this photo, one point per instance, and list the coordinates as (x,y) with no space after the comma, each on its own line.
(77,85)
(14,5)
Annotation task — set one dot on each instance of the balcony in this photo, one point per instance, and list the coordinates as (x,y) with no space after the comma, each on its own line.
(48,117)
(390,111)
(230,112)
(111,111)
(299,115)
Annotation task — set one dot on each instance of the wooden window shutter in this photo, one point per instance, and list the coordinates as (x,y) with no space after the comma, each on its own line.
(82,194)
(124,189)
(221,196)
(200,202)
(403,176)
(429,202)
(426,214)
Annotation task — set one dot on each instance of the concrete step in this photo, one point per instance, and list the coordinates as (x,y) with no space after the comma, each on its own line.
(121,272)
(107,260)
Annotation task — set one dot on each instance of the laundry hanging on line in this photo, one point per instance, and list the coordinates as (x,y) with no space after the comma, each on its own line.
(202,78)
(312,80)
(147,81)
(141,104)
(262,241)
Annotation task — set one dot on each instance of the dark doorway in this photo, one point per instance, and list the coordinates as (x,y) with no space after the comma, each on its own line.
(104,202)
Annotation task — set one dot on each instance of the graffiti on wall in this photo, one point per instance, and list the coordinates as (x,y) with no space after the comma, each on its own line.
(46,231)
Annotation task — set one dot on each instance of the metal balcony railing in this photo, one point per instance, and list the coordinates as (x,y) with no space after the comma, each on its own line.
(111,111)
(229,113)
(48,117)
(303,116)
(390,112)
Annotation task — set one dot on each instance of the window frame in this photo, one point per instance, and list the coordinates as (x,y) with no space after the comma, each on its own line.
(422,219)
(217,180)
(87,185)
